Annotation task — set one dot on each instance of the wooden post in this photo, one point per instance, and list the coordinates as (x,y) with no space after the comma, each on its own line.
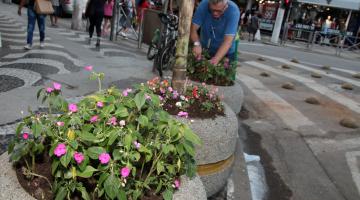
(179,70)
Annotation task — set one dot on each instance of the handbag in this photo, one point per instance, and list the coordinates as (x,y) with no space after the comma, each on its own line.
(43,7)
(257,35)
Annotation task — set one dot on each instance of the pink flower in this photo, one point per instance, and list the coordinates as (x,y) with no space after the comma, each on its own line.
(100,104)
(49,90)
(161,98)
(177,183)
(147,97)
(25,136)
(73,108)
(112,121)
(122,122)
(170,89)
(126,91)
(104,158)
(79,157)
(60,123)
(175,94)
(60,150)
(183,114)
(125,171)
(137,145)
(203,84)
(57,86)
(162,90)
(94,119)
(88,68)
(212,61)
(226,65)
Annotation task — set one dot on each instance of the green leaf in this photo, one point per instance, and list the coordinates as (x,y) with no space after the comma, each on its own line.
(159,187)
(68,174)
(139,100)
(103,177)
(122,112)
(109,109)
(88,172)
(74,144)
(117,155)
(19,128)
(11,146)
(121,195)
(84,193)
(128,140)
(143,120)
(36,129)
(111,186)
(65,159)
(54,166)
(86,136)
(113,135)
(61,194)
(191,136)
(94,152)
(189,148)
(168,195)
(159,167)
(155,99)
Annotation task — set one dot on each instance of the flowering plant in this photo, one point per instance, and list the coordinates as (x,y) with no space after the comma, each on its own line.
(203,70)
(109,145)
(194,96)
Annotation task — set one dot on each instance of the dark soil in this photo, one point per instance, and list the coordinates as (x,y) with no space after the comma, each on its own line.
(278,190)
(217,82)
(194,111)
(40,189)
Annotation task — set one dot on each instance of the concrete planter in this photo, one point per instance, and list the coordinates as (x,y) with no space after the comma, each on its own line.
(10,188)
(233,95)
(215,157)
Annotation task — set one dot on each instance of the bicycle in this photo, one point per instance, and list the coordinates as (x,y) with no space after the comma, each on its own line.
(163,45)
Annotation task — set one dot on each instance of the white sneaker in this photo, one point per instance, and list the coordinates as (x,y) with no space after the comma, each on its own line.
(42,45)
(123,34)
(27,47)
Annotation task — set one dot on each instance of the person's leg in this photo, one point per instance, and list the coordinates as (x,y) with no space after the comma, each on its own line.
(41,25)
(30,26)
(92,25)
(99,20)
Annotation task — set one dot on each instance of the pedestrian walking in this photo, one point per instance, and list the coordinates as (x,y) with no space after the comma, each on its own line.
(253,26)
(108,13)
(95,12)
(32,18)
(127,17)
(56,14)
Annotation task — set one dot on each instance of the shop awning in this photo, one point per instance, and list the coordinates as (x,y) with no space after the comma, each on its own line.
(345,4)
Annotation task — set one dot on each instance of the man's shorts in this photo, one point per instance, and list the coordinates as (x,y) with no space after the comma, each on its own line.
(57,11)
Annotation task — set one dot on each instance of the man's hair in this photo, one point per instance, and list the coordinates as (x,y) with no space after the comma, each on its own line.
(217,1)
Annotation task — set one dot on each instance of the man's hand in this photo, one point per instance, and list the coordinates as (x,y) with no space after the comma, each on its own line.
(214,61)
(19,11)
(197,52)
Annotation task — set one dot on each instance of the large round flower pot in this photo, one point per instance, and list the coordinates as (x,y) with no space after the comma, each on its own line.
(216,155)
(233,95)
(10,188)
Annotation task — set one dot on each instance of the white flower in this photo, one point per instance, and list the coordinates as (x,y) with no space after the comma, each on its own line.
(192,121)
(178,104)
(182,97)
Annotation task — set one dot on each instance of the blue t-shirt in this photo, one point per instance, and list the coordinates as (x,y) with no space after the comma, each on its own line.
(213,30)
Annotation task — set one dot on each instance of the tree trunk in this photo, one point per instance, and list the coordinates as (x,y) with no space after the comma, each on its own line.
(179,70)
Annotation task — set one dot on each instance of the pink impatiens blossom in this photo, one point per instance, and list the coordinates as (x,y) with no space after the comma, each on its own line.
(78,157)
(94,119)
(183,114)
(126,91)
(49,90)
(25,136)
(104,158)
(100,104)
(73,108)
(57,86)
(177,183)
(122,122)
(162,91)
(175,94)
(170,89)
(60,150)
(125,171)
(60,124)
(137,145)
(112,121)
(88,68)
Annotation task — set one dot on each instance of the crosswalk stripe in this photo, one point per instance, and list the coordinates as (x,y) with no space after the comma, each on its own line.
(341,99)
(352,161)
(292,117)
(348,71)
(324,145)
(357,83)
(50,52)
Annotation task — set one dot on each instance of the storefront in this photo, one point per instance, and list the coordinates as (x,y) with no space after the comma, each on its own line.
(268,11)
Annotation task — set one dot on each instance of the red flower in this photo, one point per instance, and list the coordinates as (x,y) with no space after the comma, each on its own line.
(195,92)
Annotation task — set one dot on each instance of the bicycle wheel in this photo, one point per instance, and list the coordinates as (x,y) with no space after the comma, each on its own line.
(152,51)
(167,57)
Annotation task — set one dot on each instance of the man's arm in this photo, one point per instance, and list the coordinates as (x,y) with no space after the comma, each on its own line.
(195,38)
(223,49)
(21,4)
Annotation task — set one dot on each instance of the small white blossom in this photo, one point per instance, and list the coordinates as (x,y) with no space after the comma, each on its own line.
(182,97)
(178,104)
